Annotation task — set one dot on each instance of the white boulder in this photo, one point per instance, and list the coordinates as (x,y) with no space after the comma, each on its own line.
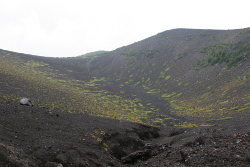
(26,101)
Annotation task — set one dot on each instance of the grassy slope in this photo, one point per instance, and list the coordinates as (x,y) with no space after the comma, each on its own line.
(165,65)
(96,53)
(153,81)
(55,86)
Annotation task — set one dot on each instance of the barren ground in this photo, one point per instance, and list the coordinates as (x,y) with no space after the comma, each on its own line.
(31,136)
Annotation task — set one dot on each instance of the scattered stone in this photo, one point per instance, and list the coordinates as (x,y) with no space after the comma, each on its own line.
(53,164)
(148,146)
(9,156)
(26,101)
(176,132)
(183,155)
(248,158)
(61,158)
(238,141)
(135,156)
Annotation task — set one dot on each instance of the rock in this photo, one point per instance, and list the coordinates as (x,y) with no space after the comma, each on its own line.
(176,132)
(133,157)
(53,164)
(148,146)
(248,157)
(26,101)
(183,155)
(61,158)
(9,156)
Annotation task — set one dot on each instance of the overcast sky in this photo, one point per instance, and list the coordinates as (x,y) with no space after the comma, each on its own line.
(66,28)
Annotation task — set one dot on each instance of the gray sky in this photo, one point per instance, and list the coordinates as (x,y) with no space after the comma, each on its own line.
(66,28)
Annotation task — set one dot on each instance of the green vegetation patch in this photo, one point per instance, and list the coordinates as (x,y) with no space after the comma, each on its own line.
(230,53)
(150,53)
(154,91)
(94,54)
(97,79)
(181,55)
(219,119)
(168,77)
(53,89)
(131,56)
(33,63)
(180,84)
(168,95)
(247,104)
(243,109)
(167,69)
(224,102)
(178,95)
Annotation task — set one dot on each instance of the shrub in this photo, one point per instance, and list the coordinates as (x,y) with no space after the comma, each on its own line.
(230,53)
(131,56)
(168,77)
(178,95)
(150,53)
(179,84)
(167,69)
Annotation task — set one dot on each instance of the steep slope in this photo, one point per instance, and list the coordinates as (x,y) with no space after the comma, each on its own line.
(96,53)
(168,66)
(54,86)
(164,79)
(178,78)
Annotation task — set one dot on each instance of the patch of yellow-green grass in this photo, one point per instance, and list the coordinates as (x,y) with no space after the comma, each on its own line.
(247,104)
(138,100)
(209,110)
(168,95)
(179,84)
(170,118)
(219,119)
(203,124)
(243,109)
(97,79)
(55,90)
(178,95)
(180,108)
(145,87)
(234,108)
(33,63)
(154,91)
(137,83)
(224,102)
(159,120)
(167,69)
(222,109)
(186,125)
(190,125)
(168,77)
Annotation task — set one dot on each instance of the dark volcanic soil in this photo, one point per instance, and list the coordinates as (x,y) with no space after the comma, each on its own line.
(31,137)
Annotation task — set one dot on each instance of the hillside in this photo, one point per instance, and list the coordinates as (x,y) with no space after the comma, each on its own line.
(155,81)
(34,137)
(193,85)
(96,53)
